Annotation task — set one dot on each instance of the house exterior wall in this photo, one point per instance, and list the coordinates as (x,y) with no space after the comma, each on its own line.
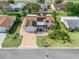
(6,29)
(3,30)
(14,19)
(30,29)
(66,24)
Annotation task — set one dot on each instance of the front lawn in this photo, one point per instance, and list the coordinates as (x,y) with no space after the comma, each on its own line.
(48,11)
(13,38)
(44,41)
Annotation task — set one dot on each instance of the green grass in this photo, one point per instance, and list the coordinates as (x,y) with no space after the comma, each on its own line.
(49,11)
(13,39)
(44,40)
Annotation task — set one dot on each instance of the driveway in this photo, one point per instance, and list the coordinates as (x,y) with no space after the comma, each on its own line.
(29,39)
(2,37)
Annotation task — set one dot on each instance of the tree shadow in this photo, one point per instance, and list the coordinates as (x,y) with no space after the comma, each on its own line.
(65,41)
(14,27)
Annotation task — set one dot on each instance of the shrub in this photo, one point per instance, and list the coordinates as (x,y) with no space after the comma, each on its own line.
(60,35)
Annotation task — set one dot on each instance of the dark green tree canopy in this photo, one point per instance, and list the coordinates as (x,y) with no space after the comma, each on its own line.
(59,1)
(41,1)
(73,8)
(11,1)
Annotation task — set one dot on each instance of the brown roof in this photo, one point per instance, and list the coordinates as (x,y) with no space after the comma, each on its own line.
(60,5)
(35,17)
(5,21)
(28,19)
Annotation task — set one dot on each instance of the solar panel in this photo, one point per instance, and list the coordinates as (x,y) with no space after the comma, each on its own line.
(34,23)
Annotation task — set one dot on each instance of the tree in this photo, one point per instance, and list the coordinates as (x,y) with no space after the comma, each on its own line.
(11,1)
(60,35)
(41,1)
(57,23)
(73,8)
(34,7)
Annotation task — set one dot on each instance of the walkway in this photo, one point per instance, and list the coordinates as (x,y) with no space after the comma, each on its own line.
(2,37)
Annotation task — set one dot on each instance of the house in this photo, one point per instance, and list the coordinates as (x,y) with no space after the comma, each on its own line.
(71,23)
(6,22)
(34,1)
(36,23)
(19,6)
(58,6)
(3,3)
(14,7)
(43,6)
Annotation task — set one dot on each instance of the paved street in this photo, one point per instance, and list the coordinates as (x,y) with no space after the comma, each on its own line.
(39,54)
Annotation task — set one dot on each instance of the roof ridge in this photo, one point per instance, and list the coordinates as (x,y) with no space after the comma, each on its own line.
(4,19)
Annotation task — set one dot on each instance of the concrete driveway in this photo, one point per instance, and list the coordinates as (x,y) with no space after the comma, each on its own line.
(29,40)
(2,37)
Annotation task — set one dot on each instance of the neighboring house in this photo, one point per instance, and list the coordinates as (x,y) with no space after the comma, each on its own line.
(4,4)
(6,22)
(58,6)
(35,23)
(14,7)
(43,6)
(19,6)
(71,23)
(33,1)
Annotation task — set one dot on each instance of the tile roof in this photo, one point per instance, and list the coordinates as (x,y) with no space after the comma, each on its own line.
(61,6)
(29,19)
(5,21)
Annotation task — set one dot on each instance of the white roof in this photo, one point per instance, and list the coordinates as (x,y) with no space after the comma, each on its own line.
(13,6)
(40,23)
(52,6)
(32,15)
(71,22)
(19,5)
(3,15)
(70,18)
(48,14)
